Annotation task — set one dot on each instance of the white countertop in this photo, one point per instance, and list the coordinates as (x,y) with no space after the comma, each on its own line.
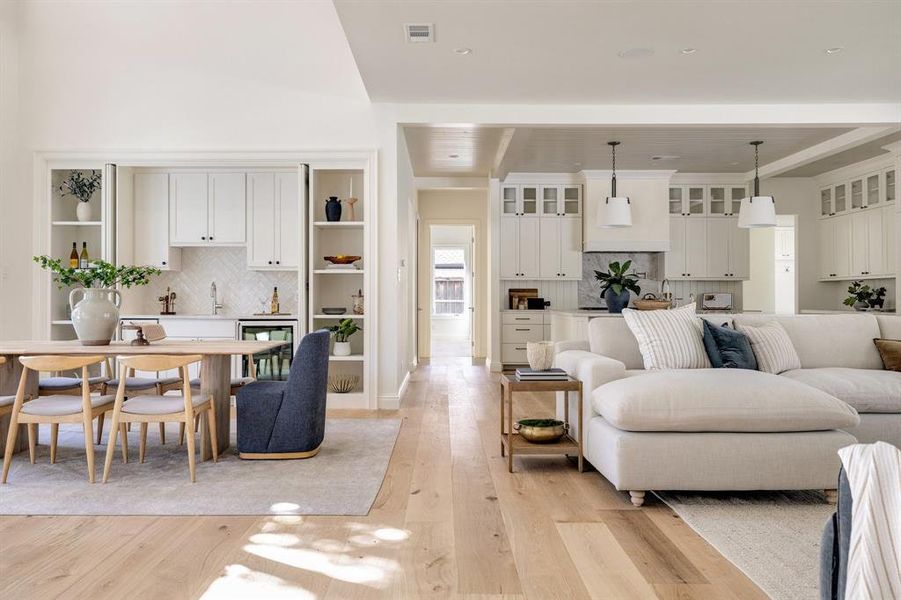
(845,311)
(213,317)
(575,312)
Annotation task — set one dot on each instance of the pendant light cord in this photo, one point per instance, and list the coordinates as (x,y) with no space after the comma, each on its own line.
(756,168)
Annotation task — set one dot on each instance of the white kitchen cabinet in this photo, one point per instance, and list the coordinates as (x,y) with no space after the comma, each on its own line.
(510,200)
(872,194)
(867,243)
(835,247)
(860,244)
(560,255)
(857,198)
(739,251)
(826,202)
(207,209)
(151,223)
(520,253)
(889,185)
(272,221)
(826,248)
(724,200)
(688,200)
(561,200)
(707,248)
(688,248)
(727,249)
(675,258)
(888,238)
(785,243)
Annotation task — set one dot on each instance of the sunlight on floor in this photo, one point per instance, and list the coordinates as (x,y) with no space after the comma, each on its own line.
(239,583)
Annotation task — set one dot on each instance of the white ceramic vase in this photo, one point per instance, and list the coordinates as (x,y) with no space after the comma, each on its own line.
(540,355)
(342,349)
(83,211)
(96,315)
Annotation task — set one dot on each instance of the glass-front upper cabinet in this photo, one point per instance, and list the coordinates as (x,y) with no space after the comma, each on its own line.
(840,198)
(890,185)
(687,200)
(695,200)
(550,200)
(872,196)
(737,193)
(718,204)
(675,201)
(509,200)
(856,193)
(572,201)
(826,202)
(529,195)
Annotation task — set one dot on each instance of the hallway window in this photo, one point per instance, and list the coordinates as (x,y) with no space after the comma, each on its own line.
(448,281)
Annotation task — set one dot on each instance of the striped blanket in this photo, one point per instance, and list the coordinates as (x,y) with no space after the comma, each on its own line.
(874,562)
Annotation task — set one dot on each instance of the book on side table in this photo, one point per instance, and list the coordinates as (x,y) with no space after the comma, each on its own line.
(526,374)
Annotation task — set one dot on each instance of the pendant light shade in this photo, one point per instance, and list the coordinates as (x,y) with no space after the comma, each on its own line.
(757,210)
(616,211)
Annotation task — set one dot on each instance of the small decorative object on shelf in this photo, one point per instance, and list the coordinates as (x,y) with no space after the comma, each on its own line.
(343,331)
(549,374)
(351,200)
(274,303)
(96,315)
(343,384)
(863,297)
(540,355)
(541,431)
(333,209)
(82,188)
(358,302)
(650,302)
(168,302)
(342,259)
(616,284)
(333,310)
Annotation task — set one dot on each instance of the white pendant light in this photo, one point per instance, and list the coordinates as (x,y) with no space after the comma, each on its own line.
(616,211)
(757,210)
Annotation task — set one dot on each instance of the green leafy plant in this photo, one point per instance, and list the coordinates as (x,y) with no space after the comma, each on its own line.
(618,278)
(345,329)
(861,292)
(81,187)
(101,274)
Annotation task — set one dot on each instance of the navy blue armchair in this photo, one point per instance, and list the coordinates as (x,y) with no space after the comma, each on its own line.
(286,419)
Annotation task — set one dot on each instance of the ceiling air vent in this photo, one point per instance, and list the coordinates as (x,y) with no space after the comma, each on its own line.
(419,32)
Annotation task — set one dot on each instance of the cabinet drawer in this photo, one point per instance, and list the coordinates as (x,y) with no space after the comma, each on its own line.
(522,333)
(199,328)
(519,317)
(514,354)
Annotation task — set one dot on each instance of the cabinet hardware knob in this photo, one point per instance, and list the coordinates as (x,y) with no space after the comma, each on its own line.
(203,237)
(270,262)
(523,329)
(278,262)
(164,263)
(211,237)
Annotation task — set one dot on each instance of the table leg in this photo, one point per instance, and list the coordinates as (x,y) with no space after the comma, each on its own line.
(509,430)
(502,419)
(580,438)
(10,373)
(215,381)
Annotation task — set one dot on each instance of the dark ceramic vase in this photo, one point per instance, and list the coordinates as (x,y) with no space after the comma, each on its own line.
(333,209)
(616,302)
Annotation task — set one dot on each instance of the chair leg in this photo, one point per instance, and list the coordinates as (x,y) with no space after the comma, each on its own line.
(10,443)
(123,429)
(110,447)
(143,447)
(162,433)
(196,423)
(190,444)
(54,435)
(181,433)
(100,419)
(211,425)
(89,444)
(32,440)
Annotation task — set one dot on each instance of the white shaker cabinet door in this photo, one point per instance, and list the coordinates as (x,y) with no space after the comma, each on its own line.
(509,240)
(675,258)
(187,208)
(718,242)
(875,243)
(289,226)
(842,246)
(261,219)
(695,247)
(227,208)
(151,219)
(859,253)
(549,257)
(529,248)
(888,234)
(570,248)
(827,248)
(739,250)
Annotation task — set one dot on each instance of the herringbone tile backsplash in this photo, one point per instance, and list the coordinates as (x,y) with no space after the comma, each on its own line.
(241,291)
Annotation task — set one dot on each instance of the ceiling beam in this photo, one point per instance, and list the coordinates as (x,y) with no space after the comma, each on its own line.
(839,143)
(512,143)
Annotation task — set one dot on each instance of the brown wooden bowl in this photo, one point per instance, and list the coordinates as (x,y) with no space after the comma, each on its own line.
(342,260)
(650,304)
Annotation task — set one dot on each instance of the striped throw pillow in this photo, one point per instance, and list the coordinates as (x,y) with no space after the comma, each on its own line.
(668,339)
(772,347)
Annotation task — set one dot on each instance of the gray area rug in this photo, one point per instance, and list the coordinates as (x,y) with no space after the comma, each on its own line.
(773,537)
(343,479)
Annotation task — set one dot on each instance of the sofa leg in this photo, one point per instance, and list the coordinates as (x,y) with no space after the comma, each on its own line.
(831,496)
(636,497)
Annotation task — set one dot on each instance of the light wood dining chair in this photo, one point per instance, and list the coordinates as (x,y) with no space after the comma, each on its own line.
(160,409)
(6,402)
(60,384)
(55,409)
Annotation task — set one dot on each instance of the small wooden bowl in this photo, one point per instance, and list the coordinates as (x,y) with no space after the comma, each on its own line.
(342,260)
(650,304)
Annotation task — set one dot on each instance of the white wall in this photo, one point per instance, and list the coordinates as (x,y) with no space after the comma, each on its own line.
(648,192)
(758,290)
(15,215)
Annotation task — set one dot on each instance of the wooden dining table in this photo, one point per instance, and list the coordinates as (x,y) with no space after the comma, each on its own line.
(215,373)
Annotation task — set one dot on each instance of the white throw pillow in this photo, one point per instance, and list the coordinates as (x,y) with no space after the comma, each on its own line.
(668,339)
(772,347)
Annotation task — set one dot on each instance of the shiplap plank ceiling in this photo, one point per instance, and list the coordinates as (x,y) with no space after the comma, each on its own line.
(842,159)
(572,149)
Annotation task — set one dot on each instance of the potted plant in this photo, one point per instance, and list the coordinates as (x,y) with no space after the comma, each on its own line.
(616,284)
(96,315)
(862,296)
(343,331)
(82,188)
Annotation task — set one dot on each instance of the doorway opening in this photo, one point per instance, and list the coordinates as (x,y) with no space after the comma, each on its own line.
(451,291)
(773,285)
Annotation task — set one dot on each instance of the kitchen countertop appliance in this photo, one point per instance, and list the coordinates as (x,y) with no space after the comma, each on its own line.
(273,365)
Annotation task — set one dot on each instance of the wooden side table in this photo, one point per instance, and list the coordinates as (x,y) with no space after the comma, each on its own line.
(512,443)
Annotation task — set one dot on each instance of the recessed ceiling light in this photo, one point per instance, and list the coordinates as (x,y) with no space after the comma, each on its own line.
(665,157)
(688,50)
(453,156)
(636,53)
(834,50)
(463,51)
(733,163)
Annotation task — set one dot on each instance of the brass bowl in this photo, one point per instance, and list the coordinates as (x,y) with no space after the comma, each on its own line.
(342,259)
(541,431)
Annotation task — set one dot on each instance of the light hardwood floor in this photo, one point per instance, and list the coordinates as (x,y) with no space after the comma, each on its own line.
(449,521)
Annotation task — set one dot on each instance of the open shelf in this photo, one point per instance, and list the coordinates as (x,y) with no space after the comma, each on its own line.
(351,358)
(337,224)
(339,271)
(78,223)
(61,322)
(338,317)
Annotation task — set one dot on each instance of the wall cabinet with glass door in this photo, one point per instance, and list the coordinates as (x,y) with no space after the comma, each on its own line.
(519,200)
(724,200)
(687,200)
(872,190)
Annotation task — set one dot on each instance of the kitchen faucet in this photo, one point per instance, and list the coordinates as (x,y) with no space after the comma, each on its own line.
(215,303)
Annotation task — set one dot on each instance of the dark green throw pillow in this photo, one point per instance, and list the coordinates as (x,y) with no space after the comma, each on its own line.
(728,348)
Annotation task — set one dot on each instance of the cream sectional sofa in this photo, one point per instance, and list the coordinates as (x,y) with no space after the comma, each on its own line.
(732,429)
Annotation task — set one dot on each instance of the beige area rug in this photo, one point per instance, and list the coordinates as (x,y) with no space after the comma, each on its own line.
(343,479)
(773,537)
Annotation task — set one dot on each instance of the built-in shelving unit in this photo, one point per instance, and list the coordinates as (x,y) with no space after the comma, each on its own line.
(334,287)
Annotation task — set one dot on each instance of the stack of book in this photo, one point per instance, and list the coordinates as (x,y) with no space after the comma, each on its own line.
(527,374)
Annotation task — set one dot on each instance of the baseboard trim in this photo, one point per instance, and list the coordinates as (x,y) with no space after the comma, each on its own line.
(392,402)
(278,455)
(494,366)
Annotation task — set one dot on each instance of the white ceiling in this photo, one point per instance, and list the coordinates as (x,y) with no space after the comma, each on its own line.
(546,51)
(572,149)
